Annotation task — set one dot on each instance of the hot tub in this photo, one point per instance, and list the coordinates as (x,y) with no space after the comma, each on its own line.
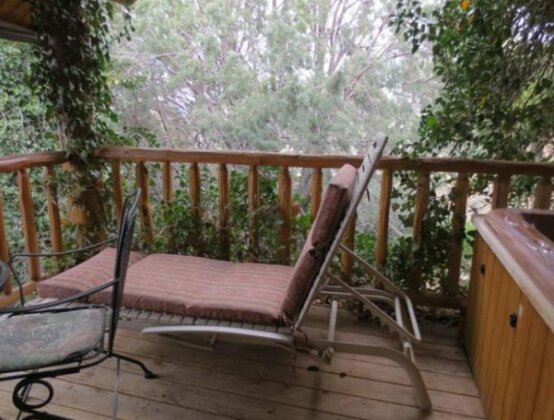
(509,329)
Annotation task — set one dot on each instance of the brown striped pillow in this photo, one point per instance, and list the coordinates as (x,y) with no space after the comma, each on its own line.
(90,273)
(334,205)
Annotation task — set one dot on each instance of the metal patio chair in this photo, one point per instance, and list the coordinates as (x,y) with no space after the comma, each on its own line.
(41,341)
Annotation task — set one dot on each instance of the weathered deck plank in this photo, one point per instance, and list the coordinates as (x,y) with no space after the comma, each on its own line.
(238,381)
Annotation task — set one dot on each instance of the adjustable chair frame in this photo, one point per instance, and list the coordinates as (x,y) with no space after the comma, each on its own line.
(326,284)
(74,303)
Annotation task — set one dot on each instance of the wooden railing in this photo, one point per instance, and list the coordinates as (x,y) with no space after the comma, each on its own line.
(502,171)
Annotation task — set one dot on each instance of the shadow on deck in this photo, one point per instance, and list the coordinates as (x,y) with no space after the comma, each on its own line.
(239,381)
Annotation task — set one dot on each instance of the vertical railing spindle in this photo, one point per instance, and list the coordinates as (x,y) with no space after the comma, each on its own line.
(346,260)
(383,221)
(29,225)
(194,194)
(285,210)
(117,191)
(53,212)
(223,183)
(253,205)
(543,194)
(500,192)
(144,210)
(461,191)
(421,206)
(4,250)
(317,187)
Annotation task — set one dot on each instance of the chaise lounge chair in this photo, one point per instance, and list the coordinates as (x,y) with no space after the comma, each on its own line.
(213,300)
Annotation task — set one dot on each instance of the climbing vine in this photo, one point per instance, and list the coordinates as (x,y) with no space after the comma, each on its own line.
(70,75)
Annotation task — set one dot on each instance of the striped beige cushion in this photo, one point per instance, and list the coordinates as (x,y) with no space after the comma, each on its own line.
(84,276)
(202,287)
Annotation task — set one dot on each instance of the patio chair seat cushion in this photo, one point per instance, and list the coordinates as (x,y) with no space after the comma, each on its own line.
(84,276)
(207,288)
(40,339)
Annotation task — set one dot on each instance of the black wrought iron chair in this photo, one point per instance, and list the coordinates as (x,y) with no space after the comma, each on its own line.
(64,336)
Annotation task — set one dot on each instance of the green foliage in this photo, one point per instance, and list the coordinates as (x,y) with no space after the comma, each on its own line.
(495,60)
(306,76)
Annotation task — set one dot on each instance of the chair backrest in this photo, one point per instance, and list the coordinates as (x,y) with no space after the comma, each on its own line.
(363,176)
(124,242)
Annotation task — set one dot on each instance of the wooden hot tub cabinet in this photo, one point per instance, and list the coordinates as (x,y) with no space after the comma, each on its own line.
(510,315)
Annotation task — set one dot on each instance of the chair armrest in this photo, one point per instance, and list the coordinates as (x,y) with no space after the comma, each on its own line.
(62,253)
(13,257)
(35,308)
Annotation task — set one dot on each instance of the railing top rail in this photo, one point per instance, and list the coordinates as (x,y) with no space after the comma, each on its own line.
(30,160)
(138,154)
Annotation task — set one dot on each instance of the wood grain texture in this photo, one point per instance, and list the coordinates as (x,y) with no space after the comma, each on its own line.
(30,160)
(117,190)
(512,362)
(28,222)
(285,211)
(53,212)
(4,249)
(543,193)
(500,192)
(348,240)
(195,190)
(145,213)
(167,180)
(381,245)
(316,191)
(544,403)
(472,302)
(223,213)
(324,161)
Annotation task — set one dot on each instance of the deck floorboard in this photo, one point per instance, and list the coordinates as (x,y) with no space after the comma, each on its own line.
(253,382)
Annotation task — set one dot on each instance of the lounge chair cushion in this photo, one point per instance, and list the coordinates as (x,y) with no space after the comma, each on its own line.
(335,203)
(90,273)
(207,288)
(35,340)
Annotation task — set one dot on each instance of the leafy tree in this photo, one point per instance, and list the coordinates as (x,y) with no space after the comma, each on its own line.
(495,59)
(306,76)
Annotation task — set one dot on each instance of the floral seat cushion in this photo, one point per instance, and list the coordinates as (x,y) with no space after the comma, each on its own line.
(41,339)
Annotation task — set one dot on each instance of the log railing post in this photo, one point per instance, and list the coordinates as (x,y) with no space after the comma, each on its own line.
(144,204)
(421,206)
(346,260)
(317,186)
(285,210)
(117,190)
(196,210)
(461,191)
(4,250)
(383,221)
(53,212)
(543,193)
(29,225)
(167,181)
(500,192)
(253,205)
(223,220)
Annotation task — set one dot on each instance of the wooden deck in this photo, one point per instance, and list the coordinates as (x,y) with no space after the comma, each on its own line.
(247,382)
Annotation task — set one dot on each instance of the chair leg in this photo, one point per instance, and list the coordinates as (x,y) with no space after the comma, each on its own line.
(148,374)
(30,411)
